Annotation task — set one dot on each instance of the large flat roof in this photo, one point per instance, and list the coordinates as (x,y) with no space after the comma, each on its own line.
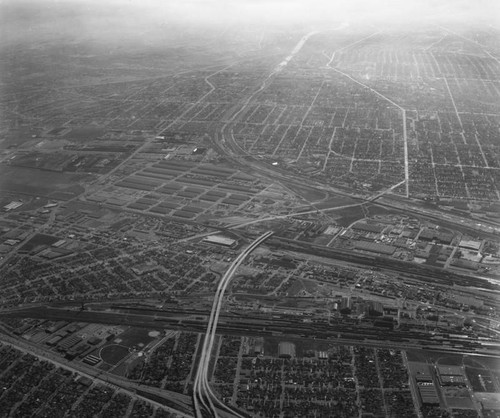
(220,240)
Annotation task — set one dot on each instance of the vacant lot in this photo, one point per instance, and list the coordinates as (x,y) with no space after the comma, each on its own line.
(41,183)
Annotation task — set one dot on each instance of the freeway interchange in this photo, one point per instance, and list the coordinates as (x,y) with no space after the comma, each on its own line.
(203,396)
(347,331)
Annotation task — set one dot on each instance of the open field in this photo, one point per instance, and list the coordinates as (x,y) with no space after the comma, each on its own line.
(61,186)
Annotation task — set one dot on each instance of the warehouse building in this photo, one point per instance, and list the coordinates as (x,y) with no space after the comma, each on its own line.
(220,240)
(470,244)
(374,247)
(286,350)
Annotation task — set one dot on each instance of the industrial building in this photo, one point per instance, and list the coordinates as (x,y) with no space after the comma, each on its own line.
(470,244)
(374,247)
(12,205)
(286,350)
(220,240)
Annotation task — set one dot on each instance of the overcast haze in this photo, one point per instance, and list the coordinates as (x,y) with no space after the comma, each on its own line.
(366,10)
(113,18)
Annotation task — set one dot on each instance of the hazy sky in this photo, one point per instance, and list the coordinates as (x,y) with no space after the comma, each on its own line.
(21,18)
(375,10)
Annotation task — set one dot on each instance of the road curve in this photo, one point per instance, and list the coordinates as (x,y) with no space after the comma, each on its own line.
(204,398)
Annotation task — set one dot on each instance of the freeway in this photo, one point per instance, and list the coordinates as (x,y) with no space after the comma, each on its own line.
(204,398)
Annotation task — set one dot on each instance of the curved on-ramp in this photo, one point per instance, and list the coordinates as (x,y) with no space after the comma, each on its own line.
(204,398)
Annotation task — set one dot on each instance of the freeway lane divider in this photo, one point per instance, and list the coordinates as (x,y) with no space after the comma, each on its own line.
(204,399)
